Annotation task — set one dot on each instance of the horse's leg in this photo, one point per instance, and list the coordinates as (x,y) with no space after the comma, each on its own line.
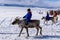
(37,31)
(44,21)
(56,19)
(27,32)
(21,31)
(40,30)
(52,22)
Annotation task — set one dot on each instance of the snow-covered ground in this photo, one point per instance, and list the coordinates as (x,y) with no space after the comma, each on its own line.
(11,32)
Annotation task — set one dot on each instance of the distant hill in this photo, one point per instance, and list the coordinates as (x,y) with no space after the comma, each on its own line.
(17,5)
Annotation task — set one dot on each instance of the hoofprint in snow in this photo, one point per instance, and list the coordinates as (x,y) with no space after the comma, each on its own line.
(11,32)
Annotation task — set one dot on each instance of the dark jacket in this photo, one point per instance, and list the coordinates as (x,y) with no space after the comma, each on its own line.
(28,16)
(47,17)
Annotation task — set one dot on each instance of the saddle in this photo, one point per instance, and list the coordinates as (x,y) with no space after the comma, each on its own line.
(32,21)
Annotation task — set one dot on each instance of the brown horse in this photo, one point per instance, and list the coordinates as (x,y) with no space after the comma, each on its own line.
(51,18)
(32,24)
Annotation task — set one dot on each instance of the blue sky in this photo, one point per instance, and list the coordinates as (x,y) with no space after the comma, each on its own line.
(48,3)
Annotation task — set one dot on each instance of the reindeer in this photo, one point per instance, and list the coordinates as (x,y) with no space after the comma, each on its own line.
(51,18)
(32,24)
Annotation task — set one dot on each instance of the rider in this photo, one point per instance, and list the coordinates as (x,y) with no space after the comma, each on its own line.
(28,16)
(47,16)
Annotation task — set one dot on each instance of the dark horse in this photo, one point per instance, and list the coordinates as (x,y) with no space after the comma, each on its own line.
(32,24)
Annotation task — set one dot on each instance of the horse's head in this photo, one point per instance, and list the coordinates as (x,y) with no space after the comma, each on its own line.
(16,21)
(43,18)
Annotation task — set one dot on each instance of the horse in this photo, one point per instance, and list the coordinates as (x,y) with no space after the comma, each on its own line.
(51,18)
(32,24)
